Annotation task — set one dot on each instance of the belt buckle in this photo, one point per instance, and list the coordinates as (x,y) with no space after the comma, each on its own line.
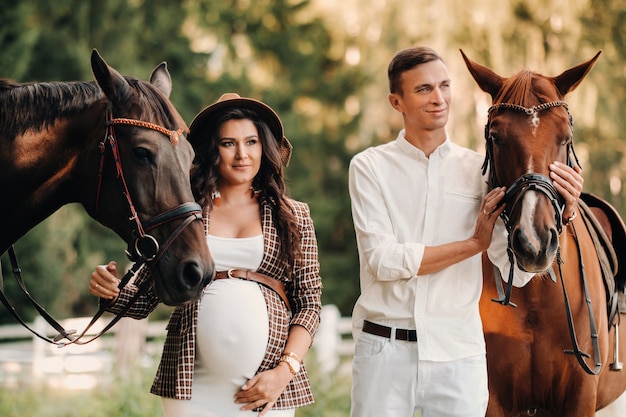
(402,334)
(229,273)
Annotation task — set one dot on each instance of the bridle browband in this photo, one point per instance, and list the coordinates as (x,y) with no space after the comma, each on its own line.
(513,196)
(528,110)
(143,249)
(172,134)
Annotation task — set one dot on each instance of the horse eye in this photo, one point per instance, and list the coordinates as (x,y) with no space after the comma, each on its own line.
(567,141)
(143,156)
(494,139)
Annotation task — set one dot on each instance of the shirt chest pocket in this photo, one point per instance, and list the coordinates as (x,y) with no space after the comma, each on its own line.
(459,214)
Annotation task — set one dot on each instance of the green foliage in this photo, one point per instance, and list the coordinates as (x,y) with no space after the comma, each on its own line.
(281,52)
(331,391)
(293,55)
(604,27)
(278,52)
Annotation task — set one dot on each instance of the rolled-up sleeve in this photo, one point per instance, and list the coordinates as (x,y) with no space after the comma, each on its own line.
(145,303)
(385,257)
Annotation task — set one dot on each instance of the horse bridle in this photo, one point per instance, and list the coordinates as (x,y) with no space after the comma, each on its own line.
(144,248)
(534,182)
(512,198)
(526,182)
(144,245)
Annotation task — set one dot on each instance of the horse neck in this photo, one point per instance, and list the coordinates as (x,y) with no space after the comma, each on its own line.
(43,169)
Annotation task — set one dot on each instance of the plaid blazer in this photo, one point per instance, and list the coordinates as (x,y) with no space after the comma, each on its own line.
(175,372)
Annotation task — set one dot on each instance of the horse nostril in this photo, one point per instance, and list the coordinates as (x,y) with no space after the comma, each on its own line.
(554,239)
(191,275)
(519,243)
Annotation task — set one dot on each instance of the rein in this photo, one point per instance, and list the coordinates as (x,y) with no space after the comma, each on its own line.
(143,249)
(513,197)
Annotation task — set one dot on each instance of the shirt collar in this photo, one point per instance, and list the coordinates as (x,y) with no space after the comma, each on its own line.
(442,151)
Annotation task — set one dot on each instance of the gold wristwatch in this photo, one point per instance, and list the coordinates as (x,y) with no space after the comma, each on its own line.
(292,360)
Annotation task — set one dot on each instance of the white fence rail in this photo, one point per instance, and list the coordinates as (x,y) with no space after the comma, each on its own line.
(24,358)
(333,339)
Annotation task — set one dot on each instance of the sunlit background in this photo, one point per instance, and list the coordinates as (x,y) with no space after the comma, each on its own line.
(322,65)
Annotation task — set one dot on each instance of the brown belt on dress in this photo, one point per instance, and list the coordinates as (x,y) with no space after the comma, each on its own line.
(384,331)
(274,284)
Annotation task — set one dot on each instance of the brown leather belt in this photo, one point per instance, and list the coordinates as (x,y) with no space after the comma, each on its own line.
(274,284)
(384,331)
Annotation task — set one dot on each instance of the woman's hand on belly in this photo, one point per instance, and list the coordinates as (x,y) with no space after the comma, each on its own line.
(263,389)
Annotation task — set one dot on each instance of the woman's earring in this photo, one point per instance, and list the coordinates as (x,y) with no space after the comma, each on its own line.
(216,197)
(254,193)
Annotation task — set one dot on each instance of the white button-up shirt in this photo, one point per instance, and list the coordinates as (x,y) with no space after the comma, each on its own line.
(403,201)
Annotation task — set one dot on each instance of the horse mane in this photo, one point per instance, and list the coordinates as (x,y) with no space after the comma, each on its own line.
(37,105)
(526,88)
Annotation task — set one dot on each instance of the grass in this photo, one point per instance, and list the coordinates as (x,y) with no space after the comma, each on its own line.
(331,391)
(124,397)
(130,397)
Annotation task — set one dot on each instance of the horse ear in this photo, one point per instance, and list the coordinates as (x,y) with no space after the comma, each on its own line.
(161,79)
(570,78)
(487,80)
(112,83)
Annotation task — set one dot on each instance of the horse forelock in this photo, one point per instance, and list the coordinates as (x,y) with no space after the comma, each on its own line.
(517,90)
(154,107)
(25,106)
(527,89)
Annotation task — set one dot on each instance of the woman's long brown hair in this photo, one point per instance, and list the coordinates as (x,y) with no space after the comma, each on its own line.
(269,181)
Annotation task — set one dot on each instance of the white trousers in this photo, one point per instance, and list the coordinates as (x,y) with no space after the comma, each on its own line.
(388,380)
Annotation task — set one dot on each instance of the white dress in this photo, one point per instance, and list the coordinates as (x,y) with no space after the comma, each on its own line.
(231,337)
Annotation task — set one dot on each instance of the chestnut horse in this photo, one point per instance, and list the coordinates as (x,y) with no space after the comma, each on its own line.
(117,147)
(551,355)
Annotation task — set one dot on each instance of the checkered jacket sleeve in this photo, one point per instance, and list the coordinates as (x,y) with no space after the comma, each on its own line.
(145,303)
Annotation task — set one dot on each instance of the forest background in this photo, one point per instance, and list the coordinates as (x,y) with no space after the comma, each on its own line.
(321,64)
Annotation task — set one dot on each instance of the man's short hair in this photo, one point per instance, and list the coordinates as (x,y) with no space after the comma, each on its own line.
(406,60)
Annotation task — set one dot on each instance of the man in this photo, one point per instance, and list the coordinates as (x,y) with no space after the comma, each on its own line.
(422,220)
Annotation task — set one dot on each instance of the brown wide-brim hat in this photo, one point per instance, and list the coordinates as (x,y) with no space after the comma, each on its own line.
(199,125)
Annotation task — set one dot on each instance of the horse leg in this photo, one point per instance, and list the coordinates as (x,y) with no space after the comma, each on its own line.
(573,396)
(494,409)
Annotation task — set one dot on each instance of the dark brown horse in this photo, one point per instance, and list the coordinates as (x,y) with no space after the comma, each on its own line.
(542,358)
(117,147)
